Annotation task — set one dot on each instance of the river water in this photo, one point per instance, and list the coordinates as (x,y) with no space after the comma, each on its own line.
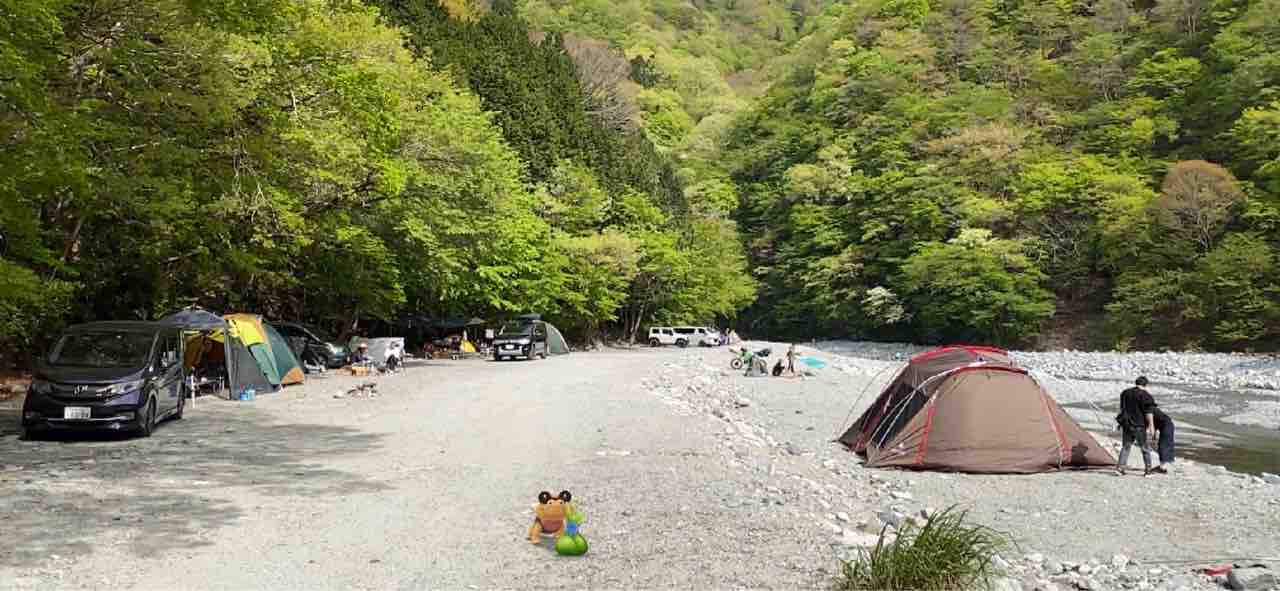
(1200,432)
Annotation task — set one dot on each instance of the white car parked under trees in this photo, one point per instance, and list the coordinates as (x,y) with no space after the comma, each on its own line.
(665,335)
(699,335)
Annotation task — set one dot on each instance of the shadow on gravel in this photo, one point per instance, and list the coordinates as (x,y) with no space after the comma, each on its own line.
(72,494)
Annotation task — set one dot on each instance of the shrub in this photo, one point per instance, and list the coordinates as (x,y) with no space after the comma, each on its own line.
(944,553)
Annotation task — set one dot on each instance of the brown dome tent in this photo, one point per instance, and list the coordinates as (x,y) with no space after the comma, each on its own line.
(970,409)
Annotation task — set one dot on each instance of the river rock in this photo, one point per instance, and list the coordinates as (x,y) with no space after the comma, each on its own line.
(856,539)
(1036,558)
(1006,584)
(891,518)
(1242,579)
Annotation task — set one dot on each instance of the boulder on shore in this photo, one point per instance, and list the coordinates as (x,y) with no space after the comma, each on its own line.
(1250,578)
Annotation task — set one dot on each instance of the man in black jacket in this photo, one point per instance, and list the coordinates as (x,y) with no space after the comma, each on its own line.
(1137,424)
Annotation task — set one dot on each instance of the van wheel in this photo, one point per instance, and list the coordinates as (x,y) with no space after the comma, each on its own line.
(655,343)
(148,424)
(682,343)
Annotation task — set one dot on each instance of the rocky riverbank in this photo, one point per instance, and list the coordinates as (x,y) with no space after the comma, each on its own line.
(1223,371)
(1234,388)
(1076,530)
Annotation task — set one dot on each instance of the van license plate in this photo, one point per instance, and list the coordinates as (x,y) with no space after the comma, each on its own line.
(76,412)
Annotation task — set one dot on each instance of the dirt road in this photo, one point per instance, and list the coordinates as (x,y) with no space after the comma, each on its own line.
(429,485)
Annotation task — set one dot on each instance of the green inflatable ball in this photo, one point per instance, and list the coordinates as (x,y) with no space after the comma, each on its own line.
(571,545)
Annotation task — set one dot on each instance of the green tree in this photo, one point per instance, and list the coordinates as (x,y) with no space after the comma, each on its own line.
(976,288)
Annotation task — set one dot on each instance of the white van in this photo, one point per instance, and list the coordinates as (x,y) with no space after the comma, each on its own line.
(666,335)
(699,335)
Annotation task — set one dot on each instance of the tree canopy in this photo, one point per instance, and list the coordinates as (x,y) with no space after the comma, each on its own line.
(315,160)
(998,171)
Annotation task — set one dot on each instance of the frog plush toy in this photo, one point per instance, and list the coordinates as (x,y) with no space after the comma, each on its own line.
(572,543)
(556,515)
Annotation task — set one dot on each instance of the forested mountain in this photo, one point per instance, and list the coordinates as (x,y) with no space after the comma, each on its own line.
(691,67)
(965,170)
(327,161)
(1094,173)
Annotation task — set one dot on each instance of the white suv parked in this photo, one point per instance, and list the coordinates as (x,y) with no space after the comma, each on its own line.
(665,335)
(699,335)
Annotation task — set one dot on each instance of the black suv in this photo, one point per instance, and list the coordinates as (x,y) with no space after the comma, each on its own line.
(310,345)
(122,376)
(522,339)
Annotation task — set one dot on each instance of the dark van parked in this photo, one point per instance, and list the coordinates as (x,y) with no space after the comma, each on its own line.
(526,339)
(120,376)
(311,346)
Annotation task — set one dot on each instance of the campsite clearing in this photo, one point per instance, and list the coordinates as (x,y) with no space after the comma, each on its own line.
(689,475)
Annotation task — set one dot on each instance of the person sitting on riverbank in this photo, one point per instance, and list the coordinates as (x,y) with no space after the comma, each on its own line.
(1137,424)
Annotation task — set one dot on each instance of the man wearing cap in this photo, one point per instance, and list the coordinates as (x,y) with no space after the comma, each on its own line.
(1137,424)
(361,355)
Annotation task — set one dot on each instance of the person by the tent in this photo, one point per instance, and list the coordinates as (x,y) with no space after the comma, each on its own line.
(1137,424)
(791,359)
(361,355)
(751,361)
(1164,441)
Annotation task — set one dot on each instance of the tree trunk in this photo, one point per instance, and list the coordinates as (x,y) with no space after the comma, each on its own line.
(349,325)
(635,326)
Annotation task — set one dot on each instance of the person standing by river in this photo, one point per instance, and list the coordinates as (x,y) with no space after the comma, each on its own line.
(1164,443)
(1137,424)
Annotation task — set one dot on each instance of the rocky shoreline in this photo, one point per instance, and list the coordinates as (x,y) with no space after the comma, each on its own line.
(1222,371)
(766,428)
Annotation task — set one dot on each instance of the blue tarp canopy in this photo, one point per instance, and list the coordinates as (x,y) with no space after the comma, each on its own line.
(456,323)
(196,319)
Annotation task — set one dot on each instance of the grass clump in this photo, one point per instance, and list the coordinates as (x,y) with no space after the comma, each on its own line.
(944,553)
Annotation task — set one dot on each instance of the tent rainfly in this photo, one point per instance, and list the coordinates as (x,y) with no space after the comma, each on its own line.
(970,409)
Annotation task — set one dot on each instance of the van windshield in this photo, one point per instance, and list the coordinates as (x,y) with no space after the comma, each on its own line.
(101,349)
(516,330)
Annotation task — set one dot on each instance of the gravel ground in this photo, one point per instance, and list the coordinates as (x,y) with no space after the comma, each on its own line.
(690,476)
